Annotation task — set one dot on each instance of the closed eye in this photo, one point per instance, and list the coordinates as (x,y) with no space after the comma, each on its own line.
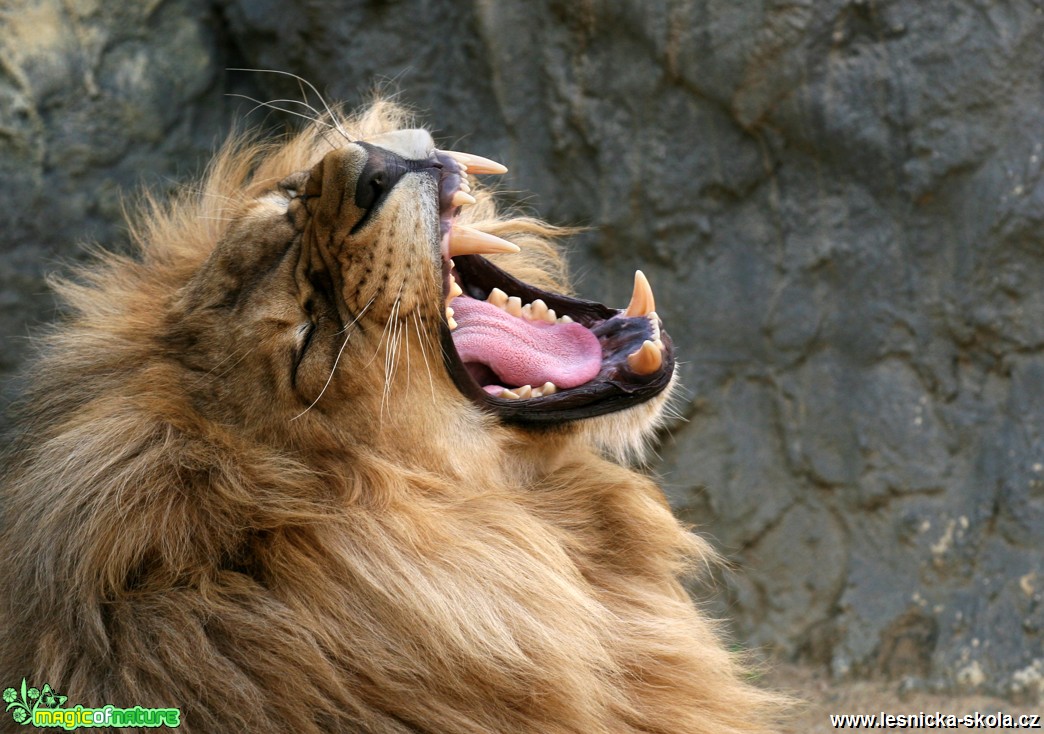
(303,338)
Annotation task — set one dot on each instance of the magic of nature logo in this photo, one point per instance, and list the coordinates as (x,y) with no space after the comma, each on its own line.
(45,707)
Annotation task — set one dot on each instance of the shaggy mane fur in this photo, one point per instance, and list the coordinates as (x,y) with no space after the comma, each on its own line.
(170,536)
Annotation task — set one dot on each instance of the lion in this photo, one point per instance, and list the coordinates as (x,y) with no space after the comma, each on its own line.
(334,449)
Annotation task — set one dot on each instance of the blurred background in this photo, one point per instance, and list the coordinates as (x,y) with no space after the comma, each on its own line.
(839,204)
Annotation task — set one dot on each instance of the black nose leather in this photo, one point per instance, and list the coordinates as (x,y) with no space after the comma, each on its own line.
(382,171)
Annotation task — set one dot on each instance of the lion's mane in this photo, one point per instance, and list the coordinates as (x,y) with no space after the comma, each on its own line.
(153,555)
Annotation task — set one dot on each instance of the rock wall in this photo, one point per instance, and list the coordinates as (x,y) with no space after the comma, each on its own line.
(839,204)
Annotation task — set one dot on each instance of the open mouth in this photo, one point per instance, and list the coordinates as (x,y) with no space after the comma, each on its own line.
(530,355)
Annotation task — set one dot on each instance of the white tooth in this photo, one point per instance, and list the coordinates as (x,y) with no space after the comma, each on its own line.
(452,324)
(466,189)
(564,319)
(514,306)
(539,310)
(454,291)
(498,298)
(646,359)
(476,163)
(537,393)
(524,392)
(659,344)
(550,317)
(462,197)
(527,312)
(642,302)
(508,395)
(548,388)
(654,322)
(467,241)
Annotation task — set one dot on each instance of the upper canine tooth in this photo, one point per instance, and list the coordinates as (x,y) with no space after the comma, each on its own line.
(476,163)
(460,198)
(646,360)
(642,302)
(467,241)
(498,298)
(514,306)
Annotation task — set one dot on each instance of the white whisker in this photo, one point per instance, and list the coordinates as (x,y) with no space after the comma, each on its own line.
(302,80)
(340,351)
(260,104)
(424,353)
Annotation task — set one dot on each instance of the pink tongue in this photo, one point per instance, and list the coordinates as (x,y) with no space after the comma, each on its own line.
(524,352)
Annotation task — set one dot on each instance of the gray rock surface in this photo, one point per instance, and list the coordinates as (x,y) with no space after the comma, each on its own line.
(840,205)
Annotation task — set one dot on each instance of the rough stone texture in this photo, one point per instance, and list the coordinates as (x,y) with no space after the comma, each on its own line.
(840,205)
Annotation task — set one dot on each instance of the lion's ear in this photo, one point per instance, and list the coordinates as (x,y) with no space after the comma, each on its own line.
(293,184)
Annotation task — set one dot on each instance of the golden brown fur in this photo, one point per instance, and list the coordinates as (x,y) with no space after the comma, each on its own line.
(181,529)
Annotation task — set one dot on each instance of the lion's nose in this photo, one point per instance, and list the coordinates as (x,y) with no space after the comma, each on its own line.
(382,171)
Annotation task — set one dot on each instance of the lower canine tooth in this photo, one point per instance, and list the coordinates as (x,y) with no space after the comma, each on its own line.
(461,198)
(646,360)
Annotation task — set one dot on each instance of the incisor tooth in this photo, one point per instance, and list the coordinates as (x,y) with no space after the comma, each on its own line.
(507,394)
(565,319)
(527,312)
(525,391)
(454,291)
(646,360)
(467,241)
(476,163)
(550,317)
(498,298)
(514,306)
(451,323)
(548,388)
(654,322)
(460,198)
(642,302)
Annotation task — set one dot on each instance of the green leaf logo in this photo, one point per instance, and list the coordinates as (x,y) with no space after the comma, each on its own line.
(23,702)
